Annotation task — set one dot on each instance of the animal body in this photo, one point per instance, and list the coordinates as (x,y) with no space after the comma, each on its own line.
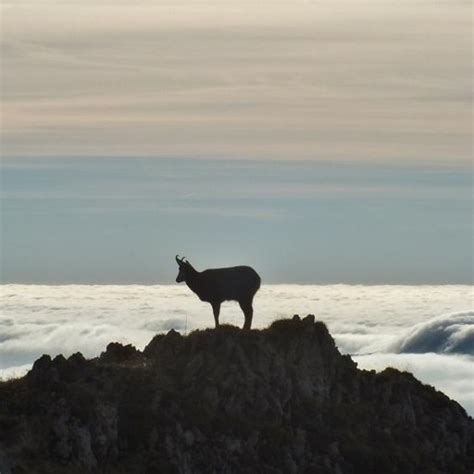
(222,284)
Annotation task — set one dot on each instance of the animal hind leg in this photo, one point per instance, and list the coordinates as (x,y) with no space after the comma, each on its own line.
(248,313)
(216,308)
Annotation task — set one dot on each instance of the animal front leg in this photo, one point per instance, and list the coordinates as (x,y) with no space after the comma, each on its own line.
(216,308)
(248,314)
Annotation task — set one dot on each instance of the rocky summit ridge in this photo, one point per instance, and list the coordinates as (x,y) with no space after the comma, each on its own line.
(278,400)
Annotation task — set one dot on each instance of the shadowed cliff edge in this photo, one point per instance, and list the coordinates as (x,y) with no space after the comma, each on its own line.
(278,400)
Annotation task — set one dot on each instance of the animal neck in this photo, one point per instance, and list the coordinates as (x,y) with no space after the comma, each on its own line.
(192,279)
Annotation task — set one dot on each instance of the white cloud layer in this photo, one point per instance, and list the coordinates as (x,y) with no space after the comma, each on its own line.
(379,325)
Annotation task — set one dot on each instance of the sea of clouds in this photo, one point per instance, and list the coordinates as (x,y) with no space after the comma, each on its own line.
(427,330)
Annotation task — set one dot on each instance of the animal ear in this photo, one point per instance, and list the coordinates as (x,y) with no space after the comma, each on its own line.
(178,260)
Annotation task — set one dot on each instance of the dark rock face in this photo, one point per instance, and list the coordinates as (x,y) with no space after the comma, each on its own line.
(281,400)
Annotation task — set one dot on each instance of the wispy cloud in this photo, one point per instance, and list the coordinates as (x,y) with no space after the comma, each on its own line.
(365,81)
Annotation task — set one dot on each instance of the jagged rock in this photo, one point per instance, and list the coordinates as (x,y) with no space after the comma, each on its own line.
(280,400)
(164,347)
(117,352)
(43,363)
(309,319)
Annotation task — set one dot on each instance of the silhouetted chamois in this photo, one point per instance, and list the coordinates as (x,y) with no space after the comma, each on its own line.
(222,284)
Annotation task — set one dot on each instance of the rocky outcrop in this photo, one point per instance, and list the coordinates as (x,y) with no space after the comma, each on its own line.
(279,400)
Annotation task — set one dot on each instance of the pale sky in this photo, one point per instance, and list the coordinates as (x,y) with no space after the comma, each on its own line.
(384,81)
(111,220)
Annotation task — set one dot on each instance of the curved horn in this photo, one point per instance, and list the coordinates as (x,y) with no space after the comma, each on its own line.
(178,261)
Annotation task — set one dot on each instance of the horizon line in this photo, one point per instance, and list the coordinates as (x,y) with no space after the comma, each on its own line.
(263,284)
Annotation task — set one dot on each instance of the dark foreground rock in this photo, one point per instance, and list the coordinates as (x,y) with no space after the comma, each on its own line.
(280,400)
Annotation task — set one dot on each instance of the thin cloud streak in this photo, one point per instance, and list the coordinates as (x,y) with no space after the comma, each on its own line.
(363,81)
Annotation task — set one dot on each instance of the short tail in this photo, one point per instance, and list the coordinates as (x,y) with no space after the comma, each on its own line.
(258,281)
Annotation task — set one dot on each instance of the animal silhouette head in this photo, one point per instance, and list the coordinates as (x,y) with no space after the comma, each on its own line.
(184,266)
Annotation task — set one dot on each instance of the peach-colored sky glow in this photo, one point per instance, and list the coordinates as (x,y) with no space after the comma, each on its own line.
(383,81)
